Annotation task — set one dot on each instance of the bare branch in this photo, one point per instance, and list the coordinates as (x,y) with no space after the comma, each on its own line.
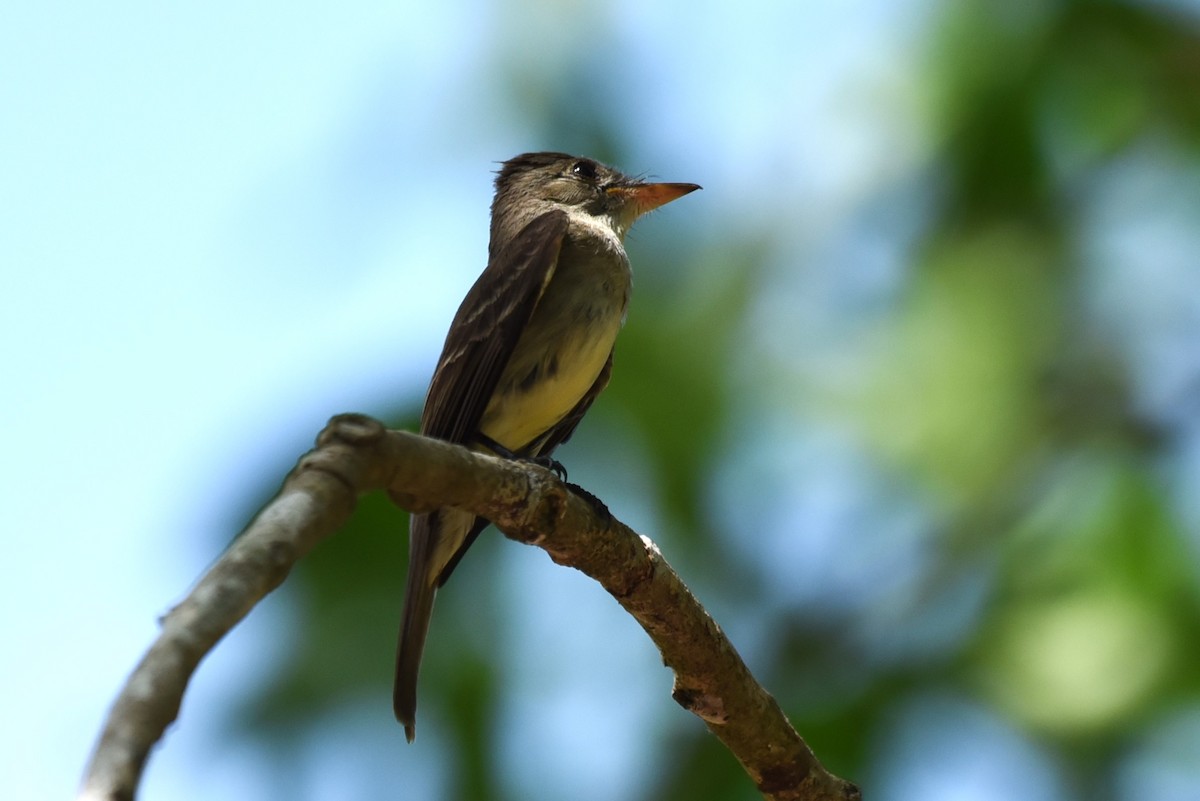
(355,455)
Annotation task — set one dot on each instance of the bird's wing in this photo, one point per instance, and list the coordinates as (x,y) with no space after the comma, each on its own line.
(487,326)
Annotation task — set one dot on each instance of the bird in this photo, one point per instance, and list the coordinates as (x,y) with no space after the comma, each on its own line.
(528,351)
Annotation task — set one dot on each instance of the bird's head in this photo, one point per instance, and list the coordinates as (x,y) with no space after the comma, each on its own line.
(534,183)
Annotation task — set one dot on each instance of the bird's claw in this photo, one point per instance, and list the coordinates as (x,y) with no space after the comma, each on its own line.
(544,462)
(553,465)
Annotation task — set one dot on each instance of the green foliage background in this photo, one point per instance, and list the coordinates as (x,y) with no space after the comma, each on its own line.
(942,510)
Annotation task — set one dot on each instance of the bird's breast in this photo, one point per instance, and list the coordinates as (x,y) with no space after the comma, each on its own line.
(562,350)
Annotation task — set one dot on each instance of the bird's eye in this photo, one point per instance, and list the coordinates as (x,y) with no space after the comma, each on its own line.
(585,170)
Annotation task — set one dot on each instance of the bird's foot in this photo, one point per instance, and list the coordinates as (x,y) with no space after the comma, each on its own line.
(553,465)
(544,462)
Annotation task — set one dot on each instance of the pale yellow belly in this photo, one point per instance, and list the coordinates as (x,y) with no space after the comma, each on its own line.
(521,411)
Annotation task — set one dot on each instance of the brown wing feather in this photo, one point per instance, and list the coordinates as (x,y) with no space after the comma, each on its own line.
(487,326)
(481,340)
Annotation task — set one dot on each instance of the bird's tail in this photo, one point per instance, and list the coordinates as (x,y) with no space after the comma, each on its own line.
(436,543)
(418,608)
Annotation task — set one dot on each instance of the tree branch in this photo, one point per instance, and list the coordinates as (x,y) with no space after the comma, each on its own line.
(355,455)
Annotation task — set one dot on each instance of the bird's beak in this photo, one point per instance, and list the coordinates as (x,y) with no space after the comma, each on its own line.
(644,197)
